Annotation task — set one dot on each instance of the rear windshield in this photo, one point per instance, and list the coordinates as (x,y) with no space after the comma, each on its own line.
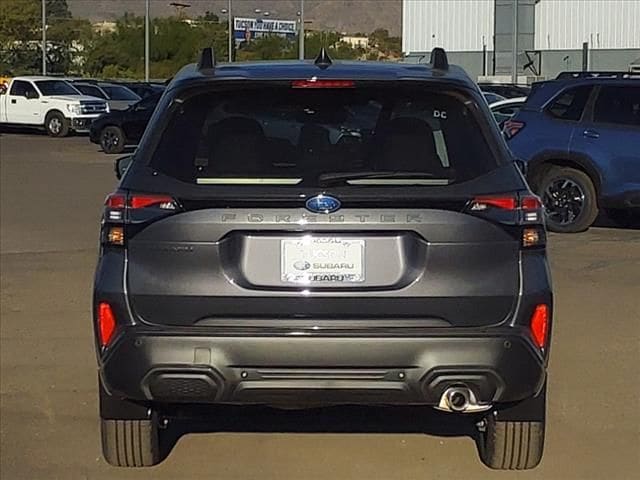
(285,136)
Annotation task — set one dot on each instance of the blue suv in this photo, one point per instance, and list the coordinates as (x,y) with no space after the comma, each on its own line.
(579,136)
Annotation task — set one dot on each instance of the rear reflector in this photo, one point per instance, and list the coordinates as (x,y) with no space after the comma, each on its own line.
(315,83)
(539,325)
(511,127)
(106,323)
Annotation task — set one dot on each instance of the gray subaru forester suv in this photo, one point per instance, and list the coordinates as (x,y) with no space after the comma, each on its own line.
(304,234)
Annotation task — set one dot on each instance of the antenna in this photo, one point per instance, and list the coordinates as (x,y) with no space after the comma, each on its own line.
(207,62)
(439,59)
(323,60)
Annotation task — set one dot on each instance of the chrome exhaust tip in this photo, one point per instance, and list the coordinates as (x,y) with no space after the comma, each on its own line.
(461,400)
(457,399)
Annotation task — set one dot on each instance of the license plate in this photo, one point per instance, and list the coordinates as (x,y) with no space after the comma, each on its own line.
(324,260)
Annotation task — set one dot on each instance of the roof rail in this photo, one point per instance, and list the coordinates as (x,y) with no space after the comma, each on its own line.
(323,60)
(207,62)
(596,74)
(439,59)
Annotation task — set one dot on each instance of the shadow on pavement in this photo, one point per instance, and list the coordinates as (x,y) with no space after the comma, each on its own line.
(625,220)
(336,420)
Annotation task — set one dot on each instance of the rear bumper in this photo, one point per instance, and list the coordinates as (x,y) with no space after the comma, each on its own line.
(186,368)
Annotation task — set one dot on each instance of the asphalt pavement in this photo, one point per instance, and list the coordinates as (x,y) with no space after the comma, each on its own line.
(51,196)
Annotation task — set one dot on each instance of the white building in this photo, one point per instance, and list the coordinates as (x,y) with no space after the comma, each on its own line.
(551,33)
(355,41)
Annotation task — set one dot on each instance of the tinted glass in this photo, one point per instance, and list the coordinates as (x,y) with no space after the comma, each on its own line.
(116,92)
(618,105)
(19,88)
(149,102)
(299,134)
(570,104)
(90,90)
(492,97)
(56,87)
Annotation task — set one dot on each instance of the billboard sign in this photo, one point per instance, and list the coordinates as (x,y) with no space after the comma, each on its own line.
(255,27)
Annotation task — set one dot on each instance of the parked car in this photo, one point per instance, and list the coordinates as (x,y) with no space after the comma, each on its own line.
(506,90)
(492,97)
(503,110)
(115,130)
(403,266)
(117,96)
(580,136)
(50,103)
(143,89)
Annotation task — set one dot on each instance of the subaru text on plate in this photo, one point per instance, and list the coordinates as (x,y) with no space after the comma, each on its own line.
(303,234)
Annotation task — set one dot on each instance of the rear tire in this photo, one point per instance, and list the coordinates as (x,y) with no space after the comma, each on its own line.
(513,435)
(509,445)
(112,139)
(131,443)
(569,198)
(56,125)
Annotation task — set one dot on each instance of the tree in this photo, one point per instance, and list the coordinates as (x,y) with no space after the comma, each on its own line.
(387,45)
(268,47)
(21,34)
(210,17)
(57,9)
(337,49)
(173,44)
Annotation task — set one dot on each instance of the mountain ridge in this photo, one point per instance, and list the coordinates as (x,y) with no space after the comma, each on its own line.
(347,16)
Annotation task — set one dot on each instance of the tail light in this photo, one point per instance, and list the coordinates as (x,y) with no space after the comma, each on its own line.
(539,325)
(315,83)
(106,324)
(522,211)
(123,209)
(511,127)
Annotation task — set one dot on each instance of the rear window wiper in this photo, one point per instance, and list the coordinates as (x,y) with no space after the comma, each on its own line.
(333,177)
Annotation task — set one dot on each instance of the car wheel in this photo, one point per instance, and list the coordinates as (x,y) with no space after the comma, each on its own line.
(112,140)
(131,443)
(569,199)
(509,445)
(625,218)
(56,125)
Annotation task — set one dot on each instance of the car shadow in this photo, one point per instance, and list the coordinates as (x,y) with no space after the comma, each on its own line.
(23,130)
(40,131)
(605,221)
(126,151)
(332,420)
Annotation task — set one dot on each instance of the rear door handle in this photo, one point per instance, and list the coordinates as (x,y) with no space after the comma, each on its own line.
(591,134)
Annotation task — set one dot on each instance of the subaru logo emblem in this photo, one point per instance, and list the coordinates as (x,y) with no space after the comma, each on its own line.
(302,265)
(323,204)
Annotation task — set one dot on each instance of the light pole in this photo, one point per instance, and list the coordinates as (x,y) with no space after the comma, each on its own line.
(146,41)
(44,37)
(514,68)
(301,32)
(230,28)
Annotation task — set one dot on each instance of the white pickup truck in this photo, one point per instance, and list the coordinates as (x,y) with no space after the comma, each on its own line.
(51,103)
